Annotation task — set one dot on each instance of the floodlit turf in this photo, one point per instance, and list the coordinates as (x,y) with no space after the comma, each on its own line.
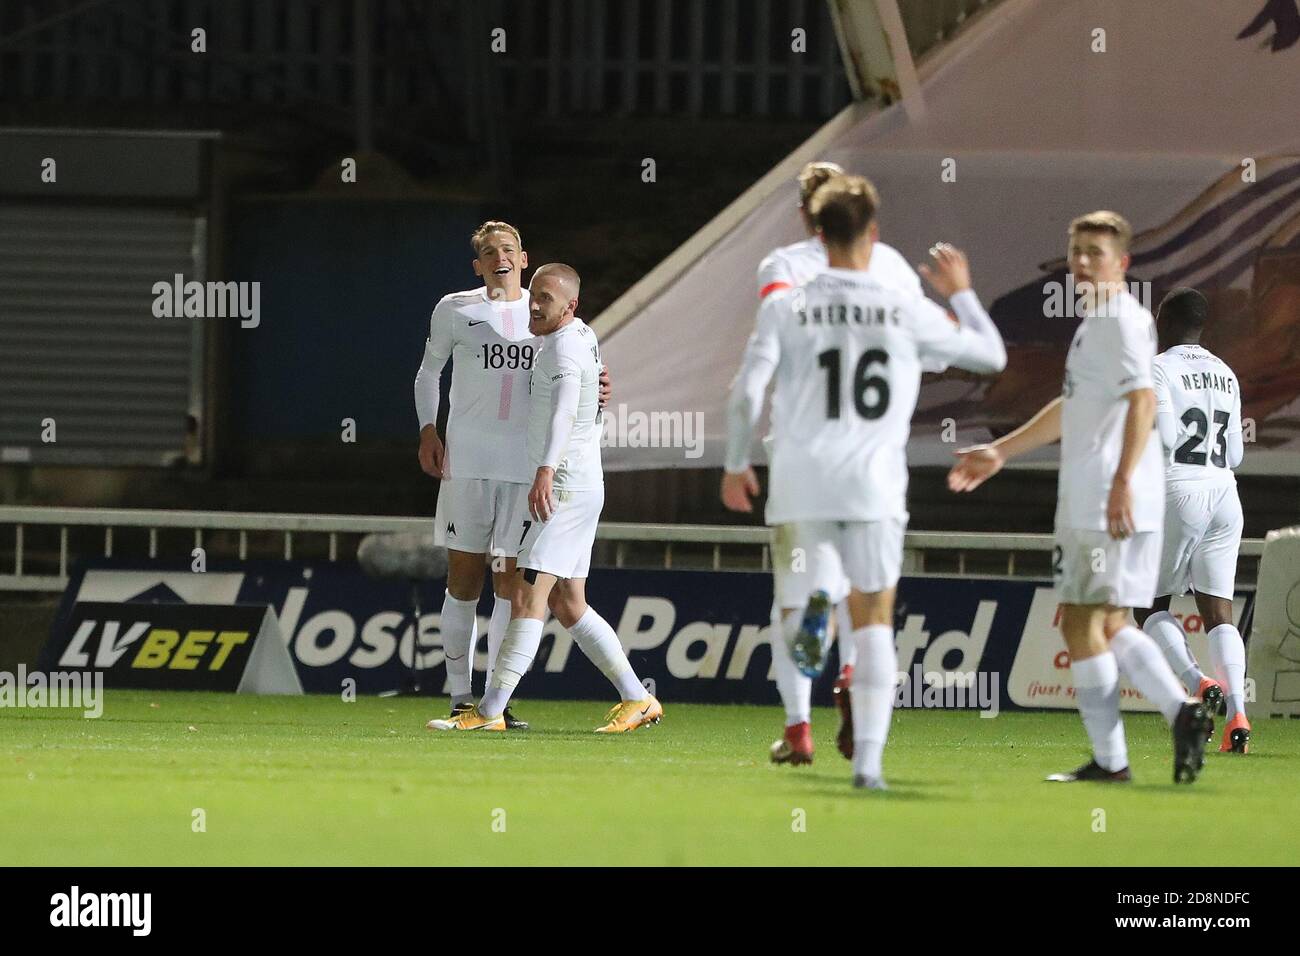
(315,780)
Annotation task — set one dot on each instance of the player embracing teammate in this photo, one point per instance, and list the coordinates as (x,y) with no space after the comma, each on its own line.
(551,521)
(484,465)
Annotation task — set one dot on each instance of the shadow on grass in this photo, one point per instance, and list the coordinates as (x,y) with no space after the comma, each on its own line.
(841,785)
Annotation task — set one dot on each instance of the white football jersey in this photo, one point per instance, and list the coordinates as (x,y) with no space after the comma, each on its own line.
(795,264)
(1110,356)
(570,353)
(848,371)
(493,354)
(1198,400)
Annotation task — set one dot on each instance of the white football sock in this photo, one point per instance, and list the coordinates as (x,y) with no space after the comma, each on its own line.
(1165,630)
(1096,693)
(1142,663)
(795,689)
(872,696)
(497,625)
(599,642)
(1228,658)
(518,649)
(459,626)
(844,635)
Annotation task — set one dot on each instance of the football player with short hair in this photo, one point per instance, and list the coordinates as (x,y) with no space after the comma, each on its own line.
(484,463)
(1198,411)
(847,351)
(557,516)
(1110,506)
(813,582)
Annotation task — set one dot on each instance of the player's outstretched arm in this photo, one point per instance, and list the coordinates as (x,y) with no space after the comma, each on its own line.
(977,464)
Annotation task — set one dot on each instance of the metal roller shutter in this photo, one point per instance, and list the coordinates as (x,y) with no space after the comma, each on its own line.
(79,343)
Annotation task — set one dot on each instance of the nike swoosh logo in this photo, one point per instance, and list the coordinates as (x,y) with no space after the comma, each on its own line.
(646,711)
(479,322)
(450,658)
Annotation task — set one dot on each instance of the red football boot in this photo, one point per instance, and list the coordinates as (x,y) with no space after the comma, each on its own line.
(796,746)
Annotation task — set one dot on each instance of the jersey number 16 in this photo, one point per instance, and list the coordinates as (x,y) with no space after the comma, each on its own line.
(870,392)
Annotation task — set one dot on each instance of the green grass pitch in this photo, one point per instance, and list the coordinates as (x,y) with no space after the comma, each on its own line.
(315,780)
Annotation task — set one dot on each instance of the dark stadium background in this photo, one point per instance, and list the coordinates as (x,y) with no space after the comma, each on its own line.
(549,135)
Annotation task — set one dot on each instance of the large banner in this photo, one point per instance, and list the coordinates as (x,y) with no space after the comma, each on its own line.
(1207,173)
(703,636)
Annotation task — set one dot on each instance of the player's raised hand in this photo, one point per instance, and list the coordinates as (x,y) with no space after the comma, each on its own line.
(604,391)
(433,456)
(737,489)
(949,273)
(540,504)
(1119,510)
(975,465)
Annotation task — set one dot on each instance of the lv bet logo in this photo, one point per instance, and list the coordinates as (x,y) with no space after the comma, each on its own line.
(149,648)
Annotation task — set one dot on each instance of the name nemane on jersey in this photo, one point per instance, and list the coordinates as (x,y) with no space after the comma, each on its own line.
(1196,381)
(844,314)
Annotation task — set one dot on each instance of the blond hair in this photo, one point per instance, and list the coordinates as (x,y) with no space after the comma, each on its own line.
(489,227)
(844,208)
(1103,220)
(813,176)
(562,271)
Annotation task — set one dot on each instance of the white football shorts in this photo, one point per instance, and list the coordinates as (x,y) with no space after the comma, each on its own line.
(803,563)
(478,515)
(1091,567)
(561,545)
(1202,537)
(831,556)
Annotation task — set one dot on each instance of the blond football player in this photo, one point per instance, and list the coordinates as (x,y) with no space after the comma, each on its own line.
(484,463)
(558,515)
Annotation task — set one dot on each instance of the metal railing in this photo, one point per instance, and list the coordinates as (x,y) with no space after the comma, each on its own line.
(241,535)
